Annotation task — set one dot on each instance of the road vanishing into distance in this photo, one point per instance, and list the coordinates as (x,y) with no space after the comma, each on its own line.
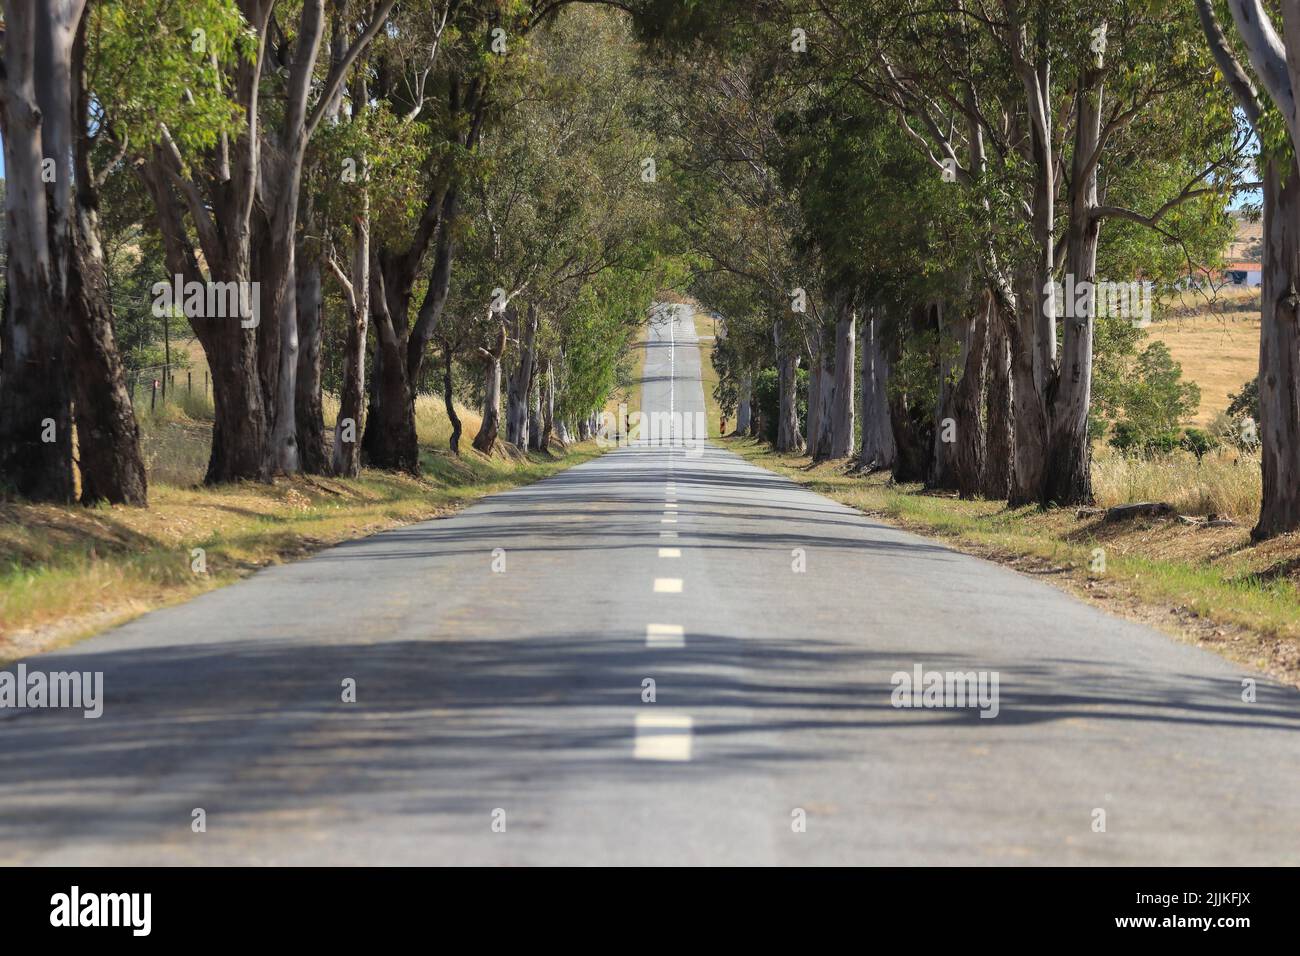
(502,715)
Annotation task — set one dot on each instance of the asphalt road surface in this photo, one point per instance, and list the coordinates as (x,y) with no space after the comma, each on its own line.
(501,713)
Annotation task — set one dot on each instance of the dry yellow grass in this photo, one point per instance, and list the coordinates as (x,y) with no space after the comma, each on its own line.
(1226,482)
(1219,352)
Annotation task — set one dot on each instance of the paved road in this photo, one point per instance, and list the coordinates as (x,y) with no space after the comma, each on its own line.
(521,692)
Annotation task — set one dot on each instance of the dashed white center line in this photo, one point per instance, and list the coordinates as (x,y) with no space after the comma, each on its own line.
(668,585)
(662,737)
(665,635)
(670,552)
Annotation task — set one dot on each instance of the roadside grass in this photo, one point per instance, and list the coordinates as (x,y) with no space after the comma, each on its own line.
(1226,482)
(706,328)
(67,572)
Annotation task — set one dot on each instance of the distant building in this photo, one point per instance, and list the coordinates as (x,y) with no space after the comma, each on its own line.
(1243,274)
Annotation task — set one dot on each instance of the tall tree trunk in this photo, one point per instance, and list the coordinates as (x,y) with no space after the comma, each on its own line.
(36,426)
(841,443)
(491,424)
(108,439)
(1069,467)
(347,425)
(1279,353)
(788,438)
(943,472)
(912,419)
(547,389)
(535,411)
(519,389)
(390,441)
(816,373)
(1029,436)
(312,454)
(968,459)
(744,411)
(995,476)
(878,450)
(825,405)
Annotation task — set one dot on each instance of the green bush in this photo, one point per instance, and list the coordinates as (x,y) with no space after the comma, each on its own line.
(1198,442)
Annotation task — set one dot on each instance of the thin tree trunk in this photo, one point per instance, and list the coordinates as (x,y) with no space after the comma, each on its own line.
(519,389)
(947,426)
(312,454)
(744,411)
(816,374)
(488,430)
(547,390)
(535,412)
(347,426)
(968,459)
(912,420)
(878,450)
(995,476)
(825,403)
(448,399)
(788,438)
(841,444)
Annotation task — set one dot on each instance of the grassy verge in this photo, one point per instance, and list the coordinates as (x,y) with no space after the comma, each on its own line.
(1208,586)
(66,573)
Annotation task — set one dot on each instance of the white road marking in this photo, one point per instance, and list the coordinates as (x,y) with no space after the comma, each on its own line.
(670,552)
(667,520)
(668,585)
(662,737)
(665,635)
(671,505)
(667,534)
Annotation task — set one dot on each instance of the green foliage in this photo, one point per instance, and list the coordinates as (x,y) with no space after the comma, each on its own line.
(1245,403)
(1198,442)
(767,400)
(156,63)
(1152,401)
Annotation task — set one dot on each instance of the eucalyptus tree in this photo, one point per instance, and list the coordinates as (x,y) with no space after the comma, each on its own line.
(735,214)
(1266,95)
(1012,104)
(561,197)
(241,199)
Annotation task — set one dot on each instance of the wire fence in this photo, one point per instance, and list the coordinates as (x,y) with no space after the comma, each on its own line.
(158,384)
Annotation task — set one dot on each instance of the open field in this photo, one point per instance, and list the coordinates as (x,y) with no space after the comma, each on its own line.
(1219,352)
